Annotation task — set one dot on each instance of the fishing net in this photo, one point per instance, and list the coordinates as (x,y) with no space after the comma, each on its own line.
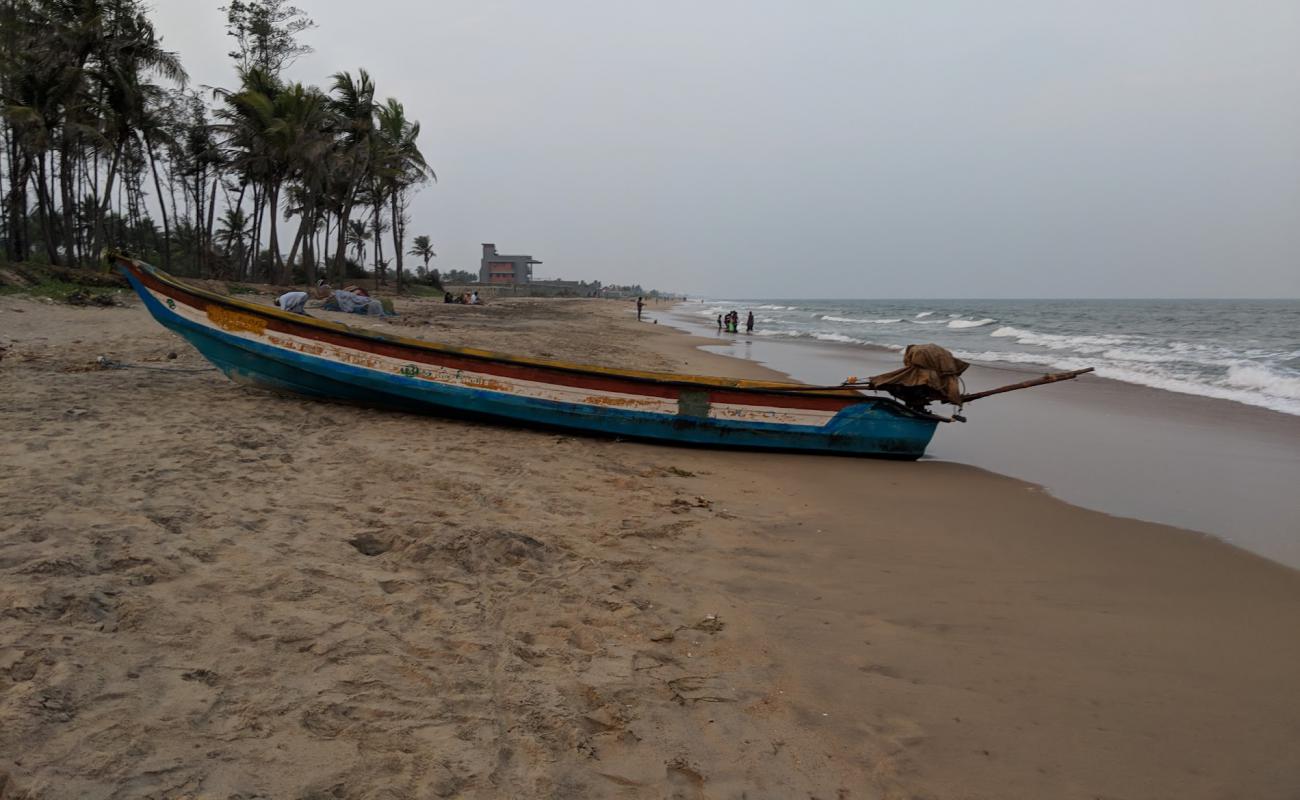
(930,374)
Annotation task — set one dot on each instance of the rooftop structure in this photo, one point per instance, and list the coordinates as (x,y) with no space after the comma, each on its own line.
(498,268)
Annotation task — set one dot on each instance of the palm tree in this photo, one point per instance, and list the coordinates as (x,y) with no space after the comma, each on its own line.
(353,103)
(233,233)
(298,137)
(422,247)
(357,235)
(86,128)
(261,139)
(401,165)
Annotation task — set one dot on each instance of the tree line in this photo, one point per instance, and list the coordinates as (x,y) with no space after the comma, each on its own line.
(107,145)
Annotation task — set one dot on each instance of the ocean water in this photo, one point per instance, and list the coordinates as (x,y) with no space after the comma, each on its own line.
(1247,351)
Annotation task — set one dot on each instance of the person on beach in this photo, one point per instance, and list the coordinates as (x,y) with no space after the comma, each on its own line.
(640,303)
(719,323)
(749,323)
(350,302)
(446,297)
(473,298)
(293,302)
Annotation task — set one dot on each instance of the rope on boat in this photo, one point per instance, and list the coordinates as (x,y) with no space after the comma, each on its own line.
(105,362)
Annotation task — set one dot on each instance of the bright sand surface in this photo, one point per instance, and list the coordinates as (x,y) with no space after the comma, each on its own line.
(210,591)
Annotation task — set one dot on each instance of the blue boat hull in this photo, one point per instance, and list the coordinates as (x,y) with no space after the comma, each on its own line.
(872,427)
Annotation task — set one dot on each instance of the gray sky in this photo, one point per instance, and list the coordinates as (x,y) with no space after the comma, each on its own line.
(855,149)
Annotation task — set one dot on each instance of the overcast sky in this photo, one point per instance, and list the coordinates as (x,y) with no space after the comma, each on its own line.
(855,149)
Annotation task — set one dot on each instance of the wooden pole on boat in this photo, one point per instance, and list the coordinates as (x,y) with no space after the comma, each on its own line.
(1051,378)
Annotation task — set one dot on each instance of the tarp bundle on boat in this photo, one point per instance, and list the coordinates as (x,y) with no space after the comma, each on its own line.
(929,374)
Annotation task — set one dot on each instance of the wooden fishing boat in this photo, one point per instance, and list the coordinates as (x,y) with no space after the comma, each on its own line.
(266,346)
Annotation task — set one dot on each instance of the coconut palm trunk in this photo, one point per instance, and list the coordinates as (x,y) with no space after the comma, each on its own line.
(17,207)
(162,203)
(44,211)
(276,266)
(397,239)
(67,201)
(340,243)
(100,239)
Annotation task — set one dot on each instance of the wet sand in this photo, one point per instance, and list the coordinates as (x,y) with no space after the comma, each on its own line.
(1214,466)
(210,591)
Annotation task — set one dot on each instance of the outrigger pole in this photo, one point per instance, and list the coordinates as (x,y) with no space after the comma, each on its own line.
(854,383)
(1049,378)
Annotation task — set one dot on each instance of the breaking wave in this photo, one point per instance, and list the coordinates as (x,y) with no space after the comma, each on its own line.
(1245,351)
(852,320)
(1057,341)
(1252,376)
(836,337)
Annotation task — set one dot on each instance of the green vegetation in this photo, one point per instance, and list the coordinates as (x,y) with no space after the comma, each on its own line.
(52,288)
(459,276)
(424,290)
(105,146)
(56,283)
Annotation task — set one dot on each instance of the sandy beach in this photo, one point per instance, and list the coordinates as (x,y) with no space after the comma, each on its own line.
(210,591)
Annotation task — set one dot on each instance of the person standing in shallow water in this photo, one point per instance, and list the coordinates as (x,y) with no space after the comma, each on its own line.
(719,323)
(639,304)
(749,323)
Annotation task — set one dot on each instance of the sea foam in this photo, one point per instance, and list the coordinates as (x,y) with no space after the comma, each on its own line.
(855,321)
(1253,376)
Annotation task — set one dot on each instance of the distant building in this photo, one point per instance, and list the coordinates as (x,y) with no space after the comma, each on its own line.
(498,268)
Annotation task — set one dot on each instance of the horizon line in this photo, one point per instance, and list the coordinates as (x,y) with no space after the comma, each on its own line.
(970,299)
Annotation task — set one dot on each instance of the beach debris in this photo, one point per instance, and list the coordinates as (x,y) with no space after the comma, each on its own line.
(711,623)
(663,635)
(56,705)
(104,362)
(681,505)
(701,689)
(602,720)
(651,660)
(100,605)
(680,473)
(204,676)
(681,773)
(369,545)
(82,297)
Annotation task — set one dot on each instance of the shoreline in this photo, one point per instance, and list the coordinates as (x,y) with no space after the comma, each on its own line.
(328,599)
(1113,351)
(1095,442)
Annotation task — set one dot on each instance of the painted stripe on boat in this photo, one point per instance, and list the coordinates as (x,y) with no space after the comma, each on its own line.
(266,318)
(253,328)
